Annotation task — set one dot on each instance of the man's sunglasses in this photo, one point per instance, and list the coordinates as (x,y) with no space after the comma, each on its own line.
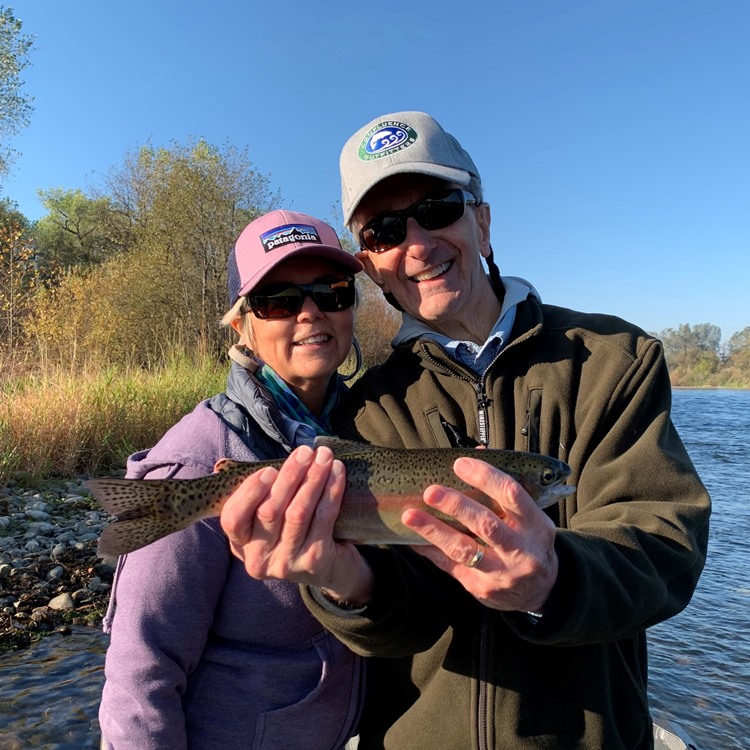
(284,300)
(436,211)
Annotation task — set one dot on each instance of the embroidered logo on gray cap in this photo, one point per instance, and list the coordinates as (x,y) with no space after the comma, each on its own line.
(289,234)
(385,138)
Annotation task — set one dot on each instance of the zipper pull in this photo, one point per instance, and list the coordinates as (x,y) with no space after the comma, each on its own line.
(482,416)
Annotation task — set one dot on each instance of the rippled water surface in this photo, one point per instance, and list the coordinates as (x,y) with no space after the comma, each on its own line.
(700,660)
(49,693)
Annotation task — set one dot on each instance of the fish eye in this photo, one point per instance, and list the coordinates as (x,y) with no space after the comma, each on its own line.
(548,476)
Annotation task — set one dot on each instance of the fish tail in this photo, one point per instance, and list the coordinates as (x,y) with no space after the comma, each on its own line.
(142,512)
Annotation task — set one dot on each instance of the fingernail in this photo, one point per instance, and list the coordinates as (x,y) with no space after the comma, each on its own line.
(323,455)
(303,454)
(267,476)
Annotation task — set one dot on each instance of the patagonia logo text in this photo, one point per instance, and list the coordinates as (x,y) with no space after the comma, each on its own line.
(289,234)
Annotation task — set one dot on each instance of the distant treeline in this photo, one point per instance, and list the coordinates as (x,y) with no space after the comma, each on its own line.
(132,273)
(698,359)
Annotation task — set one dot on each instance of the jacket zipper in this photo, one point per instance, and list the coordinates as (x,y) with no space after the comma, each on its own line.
(483,402)
(483,699)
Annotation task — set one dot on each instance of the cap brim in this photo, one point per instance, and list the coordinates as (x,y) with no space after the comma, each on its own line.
(326,252)
(449,174)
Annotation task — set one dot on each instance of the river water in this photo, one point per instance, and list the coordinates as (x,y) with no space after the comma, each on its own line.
(699,660)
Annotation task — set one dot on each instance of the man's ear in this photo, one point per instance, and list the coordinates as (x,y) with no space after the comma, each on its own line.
(366,259)
(483,226)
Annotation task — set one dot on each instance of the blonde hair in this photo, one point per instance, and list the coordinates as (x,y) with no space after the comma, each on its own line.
(240,312)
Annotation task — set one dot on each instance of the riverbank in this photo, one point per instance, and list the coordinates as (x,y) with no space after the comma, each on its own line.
(50,575)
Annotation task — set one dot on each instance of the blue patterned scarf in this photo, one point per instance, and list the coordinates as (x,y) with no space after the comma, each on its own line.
(292,407)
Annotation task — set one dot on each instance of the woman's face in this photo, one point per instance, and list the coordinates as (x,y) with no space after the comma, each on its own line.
(304,349)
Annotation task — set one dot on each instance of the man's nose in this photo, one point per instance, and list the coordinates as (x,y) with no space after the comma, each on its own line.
(418,240)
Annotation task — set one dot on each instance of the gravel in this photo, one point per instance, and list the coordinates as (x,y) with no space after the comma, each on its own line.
(50,575)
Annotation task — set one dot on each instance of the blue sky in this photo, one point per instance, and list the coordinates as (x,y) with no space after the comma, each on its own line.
(613,137)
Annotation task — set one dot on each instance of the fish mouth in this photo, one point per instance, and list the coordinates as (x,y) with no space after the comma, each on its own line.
(432,273)
(318,338)
(553,495)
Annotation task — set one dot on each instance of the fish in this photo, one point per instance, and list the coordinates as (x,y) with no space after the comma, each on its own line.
(381,483)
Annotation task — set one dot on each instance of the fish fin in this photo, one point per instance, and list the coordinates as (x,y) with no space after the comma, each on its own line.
(225,464)
(121,537)
(129,498)
(341,446)
(139,508)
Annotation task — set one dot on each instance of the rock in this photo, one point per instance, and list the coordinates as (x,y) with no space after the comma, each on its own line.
(50,575)
(37,515)
(62,602)
(57,572)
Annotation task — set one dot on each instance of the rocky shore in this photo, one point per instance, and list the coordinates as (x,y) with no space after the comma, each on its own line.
(50,576)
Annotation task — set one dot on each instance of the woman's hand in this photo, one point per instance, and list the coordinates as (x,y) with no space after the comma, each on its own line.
(280,524)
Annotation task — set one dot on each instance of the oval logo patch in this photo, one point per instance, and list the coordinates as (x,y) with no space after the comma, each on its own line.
(385,138)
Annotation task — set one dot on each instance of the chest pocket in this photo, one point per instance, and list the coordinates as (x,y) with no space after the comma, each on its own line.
(532,422)
(445,434)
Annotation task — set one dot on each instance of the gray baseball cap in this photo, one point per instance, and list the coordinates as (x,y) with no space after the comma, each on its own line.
(400,143)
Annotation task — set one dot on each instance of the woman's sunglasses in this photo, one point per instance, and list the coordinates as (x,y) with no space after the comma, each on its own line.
(436,211)
(284,300)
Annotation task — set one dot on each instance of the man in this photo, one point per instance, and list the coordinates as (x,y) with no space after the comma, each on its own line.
(535,636)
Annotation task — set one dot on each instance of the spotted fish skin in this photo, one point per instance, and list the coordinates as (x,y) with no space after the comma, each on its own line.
(381,484)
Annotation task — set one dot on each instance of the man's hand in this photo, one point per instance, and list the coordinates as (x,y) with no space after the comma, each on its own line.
(519,566)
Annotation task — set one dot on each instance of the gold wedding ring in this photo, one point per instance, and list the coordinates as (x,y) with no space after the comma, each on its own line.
(478,555)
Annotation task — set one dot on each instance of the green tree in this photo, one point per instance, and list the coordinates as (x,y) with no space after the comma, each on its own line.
(10,216)
(686,345)
(76,231)
(173,215)
(738,348)
(15,106)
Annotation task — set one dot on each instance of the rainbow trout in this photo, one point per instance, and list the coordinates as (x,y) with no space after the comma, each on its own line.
(380,484)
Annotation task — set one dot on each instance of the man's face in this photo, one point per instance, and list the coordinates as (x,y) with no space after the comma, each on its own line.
(435,275)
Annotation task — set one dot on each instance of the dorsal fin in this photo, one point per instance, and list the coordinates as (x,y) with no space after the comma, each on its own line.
(341,447)
(224,464)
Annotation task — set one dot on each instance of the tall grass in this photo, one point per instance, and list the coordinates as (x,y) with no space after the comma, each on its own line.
(64,424)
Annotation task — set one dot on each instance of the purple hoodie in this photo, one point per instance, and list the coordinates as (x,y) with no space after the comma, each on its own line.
(203,656)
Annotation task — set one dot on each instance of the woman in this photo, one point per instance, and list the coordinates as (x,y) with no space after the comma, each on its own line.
(201,655)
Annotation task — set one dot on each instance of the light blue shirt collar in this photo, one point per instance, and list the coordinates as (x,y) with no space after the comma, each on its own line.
(477,358)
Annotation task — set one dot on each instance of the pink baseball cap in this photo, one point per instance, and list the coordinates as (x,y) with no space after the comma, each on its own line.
(276,237)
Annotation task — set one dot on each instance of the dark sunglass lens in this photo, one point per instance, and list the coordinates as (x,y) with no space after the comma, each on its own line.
(286,301)
(438,213)
(390,231)
(334,296)
(434,212)
(282,304)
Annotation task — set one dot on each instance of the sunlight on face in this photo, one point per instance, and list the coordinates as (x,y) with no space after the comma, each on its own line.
(307,348)
(436,275)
